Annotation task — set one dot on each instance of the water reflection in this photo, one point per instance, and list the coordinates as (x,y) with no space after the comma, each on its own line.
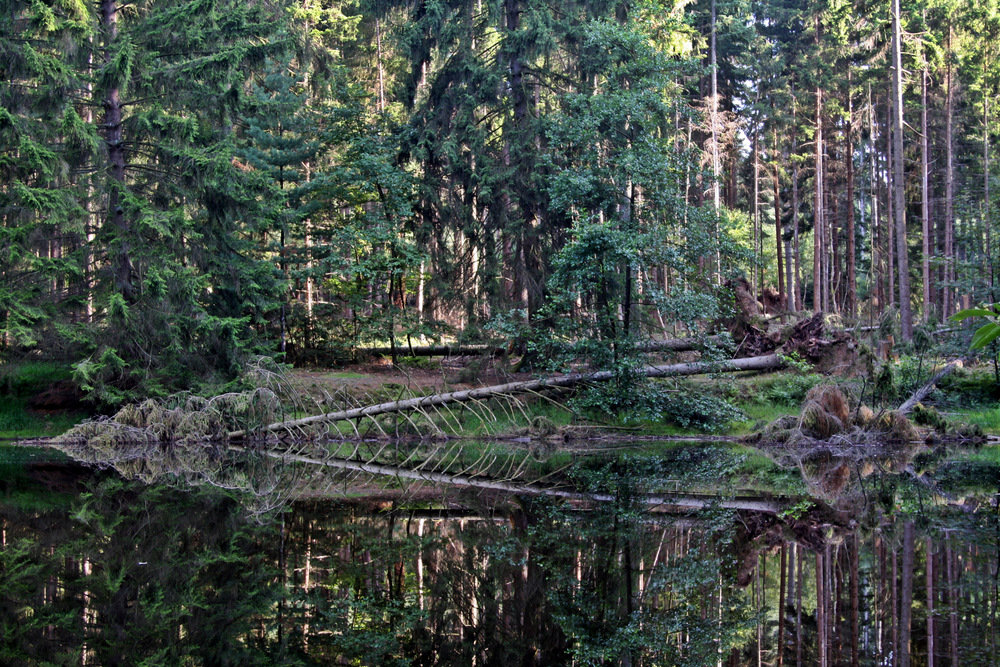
(125,573)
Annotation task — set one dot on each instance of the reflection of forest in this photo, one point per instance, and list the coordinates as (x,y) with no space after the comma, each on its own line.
(127,573)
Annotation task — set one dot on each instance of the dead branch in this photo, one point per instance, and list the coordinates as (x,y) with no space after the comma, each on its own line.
(921,394)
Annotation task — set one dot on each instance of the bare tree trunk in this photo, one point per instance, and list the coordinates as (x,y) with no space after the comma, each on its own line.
(765,362)
(949,565)
(855,558)
(902,262)
(818,248)
(906,596)
(782,297)
(988,254)
(781,604)
(821,638)
(930,603)
(925,211)
(949,186)
(714,111)
(114,141)
(852,282)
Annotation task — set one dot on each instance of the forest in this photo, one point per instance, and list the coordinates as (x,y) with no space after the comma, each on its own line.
(189,184)
(499,332)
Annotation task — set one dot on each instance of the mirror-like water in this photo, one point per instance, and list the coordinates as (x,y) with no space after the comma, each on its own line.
(97,570)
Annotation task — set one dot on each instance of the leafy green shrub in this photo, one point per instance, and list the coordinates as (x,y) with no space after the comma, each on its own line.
(788,389)
(681,405)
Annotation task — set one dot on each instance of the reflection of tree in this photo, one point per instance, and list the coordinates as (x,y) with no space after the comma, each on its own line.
(128,574)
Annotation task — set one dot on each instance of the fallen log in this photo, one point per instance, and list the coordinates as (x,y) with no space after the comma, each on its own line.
(921,394)
(768,361)
(432,351)
(661,345)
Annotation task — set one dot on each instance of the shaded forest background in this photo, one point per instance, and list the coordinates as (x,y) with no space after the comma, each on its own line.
(188,183)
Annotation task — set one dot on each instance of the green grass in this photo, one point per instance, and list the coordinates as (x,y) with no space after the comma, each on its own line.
(16,421)
(987,418)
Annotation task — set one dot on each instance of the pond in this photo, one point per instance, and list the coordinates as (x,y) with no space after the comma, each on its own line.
(381,570)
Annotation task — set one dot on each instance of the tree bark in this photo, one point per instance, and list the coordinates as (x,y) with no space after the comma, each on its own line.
(949,186)
(818,248)
(852,283)
(906,595)
(781,604)
(902,262)
(114,141)
(782,297)
(925,214)
(930,603)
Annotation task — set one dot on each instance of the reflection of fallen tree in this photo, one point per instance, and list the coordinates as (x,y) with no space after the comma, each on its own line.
(764,362)
(653,501)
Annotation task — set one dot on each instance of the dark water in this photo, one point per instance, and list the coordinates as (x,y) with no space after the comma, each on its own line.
(98,570)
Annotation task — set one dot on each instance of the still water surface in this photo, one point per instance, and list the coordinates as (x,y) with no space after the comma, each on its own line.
(99,570)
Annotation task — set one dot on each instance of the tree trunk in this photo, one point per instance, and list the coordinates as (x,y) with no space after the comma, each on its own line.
(782,297)
(114,140)
(855,558)
(949,186)
(930,603)
(906,595)
(949,565)
(714,111)
(925,212)
(765,362)
(781,604)
(818,248)
(852,282)
(821,638)
(902,263)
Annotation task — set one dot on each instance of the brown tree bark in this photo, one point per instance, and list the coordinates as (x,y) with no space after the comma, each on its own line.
(777,226)
(852,281)
(115,221)
(902,261)
(818,248)
(925,213)
(930,602)
(781,605)
(906,595)
(949,185)
(855,547)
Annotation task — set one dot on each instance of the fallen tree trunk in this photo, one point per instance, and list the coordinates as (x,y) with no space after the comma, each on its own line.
(679,501)
(432,350)
(921,394)
(662,345)
(768,361)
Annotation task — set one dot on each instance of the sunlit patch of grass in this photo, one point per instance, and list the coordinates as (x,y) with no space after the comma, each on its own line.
(987,418)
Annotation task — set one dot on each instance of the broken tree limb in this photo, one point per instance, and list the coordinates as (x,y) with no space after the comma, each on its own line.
(676,500)
(767,361)
(921,394)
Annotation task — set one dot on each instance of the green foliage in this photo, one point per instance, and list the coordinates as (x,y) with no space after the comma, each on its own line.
(987,333)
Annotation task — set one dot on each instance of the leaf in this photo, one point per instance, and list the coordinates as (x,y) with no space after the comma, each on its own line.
(985,335)
(971,312)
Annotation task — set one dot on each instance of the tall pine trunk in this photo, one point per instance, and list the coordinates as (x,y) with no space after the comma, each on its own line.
(902,263)
(949,187)
(114,141)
